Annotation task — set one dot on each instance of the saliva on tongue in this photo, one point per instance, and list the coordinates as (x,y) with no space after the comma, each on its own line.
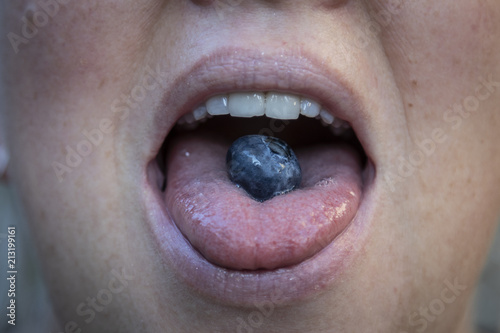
(251,226)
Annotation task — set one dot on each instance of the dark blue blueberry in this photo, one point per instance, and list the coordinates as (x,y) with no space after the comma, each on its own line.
(263,166)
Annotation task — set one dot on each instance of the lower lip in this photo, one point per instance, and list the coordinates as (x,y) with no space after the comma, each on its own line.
(248,288)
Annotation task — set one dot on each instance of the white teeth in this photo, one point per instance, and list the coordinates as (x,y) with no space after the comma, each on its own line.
(188,122)
(340,127)
(282,106)
(326,117)
(217,105)
(272,104)
(309,108)
(200,112)
(247,104)
(187,119)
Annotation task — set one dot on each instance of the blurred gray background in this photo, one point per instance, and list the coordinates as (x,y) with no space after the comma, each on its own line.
(34,313)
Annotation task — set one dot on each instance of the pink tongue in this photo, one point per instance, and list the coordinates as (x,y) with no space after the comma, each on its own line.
(232,230)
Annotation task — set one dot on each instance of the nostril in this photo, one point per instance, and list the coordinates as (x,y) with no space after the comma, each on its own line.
(202,2)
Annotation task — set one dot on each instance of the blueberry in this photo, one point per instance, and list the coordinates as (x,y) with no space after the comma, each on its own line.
(263,166)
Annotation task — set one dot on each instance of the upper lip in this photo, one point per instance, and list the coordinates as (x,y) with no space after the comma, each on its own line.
(237,69)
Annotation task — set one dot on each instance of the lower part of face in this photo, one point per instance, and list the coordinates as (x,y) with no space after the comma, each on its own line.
(133,237)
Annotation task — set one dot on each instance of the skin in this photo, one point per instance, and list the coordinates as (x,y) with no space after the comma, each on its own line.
(432,226)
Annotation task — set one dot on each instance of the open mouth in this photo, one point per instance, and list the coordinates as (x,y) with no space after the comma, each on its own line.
(212,233)
(223,222)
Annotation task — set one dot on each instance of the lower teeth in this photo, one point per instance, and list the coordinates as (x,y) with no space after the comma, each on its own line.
(263,166)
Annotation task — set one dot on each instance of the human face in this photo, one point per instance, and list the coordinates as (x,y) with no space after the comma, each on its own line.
(390,237)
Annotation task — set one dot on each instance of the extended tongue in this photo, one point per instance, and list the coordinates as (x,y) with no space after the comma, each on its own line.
(232,230)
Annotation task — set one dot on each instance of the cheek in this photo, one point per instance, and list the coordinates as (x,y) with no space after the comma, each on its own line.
(450,77)
(437,48)
(62,41)
(59,82)
(442,55)
(66,71)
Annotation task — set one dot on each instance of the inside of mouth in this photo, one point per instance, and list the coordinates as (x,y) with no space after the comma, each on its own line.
(301,134)
(231,229)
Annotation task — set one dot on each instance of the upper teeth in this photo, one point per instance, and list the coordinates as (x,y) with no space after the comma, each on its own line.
(272,104)
(246,105)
